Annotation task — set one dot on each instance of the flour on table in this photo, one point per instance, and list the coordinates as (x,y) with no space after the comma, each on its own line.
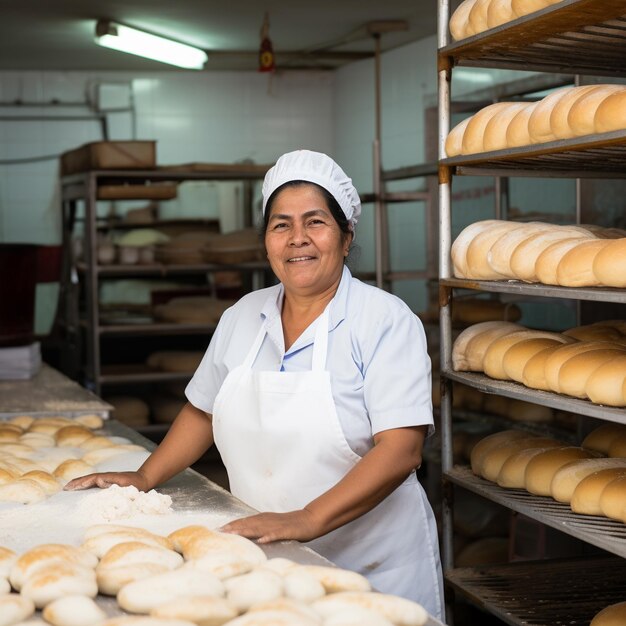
(118,503)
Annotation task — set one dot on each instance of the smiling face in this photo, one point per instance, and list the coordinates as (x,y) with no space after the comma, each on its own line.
(304,243)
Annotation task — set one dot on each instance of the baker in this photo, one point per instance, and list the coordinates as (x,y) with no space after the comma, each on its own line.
(317,394)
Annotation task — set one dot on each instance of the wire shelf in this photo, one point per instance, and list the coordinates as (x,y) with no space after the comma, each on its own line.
(610,535)
(573,36)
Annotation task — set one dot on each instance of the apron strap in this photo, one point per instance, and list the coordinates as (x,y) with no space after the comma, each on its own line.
(320,346)
(254,349)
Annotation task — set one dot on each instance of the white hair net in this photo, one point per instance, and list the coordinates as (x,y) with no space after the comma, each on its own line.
(318,168)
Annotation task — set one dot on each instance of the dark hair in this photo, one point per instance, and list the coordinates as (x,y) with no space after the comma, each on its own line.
(333,205)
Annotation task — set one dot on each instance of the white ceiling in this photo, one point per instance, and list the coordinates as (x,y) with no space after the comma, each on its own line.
(58,34)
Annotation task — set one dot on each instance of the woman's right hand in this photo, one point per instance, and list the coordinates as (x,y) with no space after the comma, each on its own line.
(106,479)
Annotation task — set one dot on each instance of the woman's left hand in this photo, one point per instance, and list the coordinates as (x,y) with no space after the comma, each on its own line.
(267,527)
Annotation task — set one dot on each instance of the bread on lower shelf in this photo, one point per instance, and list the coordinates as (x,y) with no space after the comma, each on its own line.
(613,615)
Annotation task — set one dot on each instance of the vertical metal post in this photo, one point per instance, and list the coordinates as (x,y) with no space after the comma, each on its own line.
(380,240)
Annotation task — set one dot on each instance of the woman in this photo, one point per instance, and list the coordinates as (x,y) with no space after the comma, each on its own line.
(317,395)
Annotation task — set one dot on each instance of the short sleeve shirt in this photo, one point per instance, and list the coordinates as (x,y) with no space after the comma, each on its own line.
(379,368)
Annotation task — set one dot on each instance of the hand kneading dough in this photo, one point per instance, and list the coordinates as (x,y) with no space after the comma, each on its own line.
(613,615)
(14,608)
(609,265)
(303,586)
(613,499)
(202,611)
(601,438)
(542,467)
(604,386)
(132,552)
(586,496)
(249,589)
(335,579)
(575,269)
(102,543)
(23,491)
(74,611)
(141,596)
(459,20)
(566,479)
(57,581)
(398,610)
(112,579)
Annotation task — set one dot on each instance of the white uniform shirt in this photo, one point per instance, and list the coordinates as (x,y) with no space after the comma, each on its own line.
(379,368)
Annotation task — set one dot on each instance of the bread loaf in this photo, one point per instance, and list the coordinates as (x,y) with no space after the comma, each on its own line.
(477,17)
(201,610)
(103,542)
(58,580)
(601,438)
(236,544)
(547,262)
(609,265)
(458,251)
(111,580)
(22,491)
(182,537)
(476,256)
(475,131)
(9,434)
(613,498)
(499,255)
(37,440)
(248,589)
(45,480)
(613,615)
(464,359)
(605,385)
(582,115)
(14,608)
(609,113)
(534,372)
(104,454)
(499,12)
(72,435)
(539,127)
(559,117)
(618,447)
(335,579)
(575,372)
(513,470)
(221,563)
(496,129)
(454,140)
(21,421)
(480,450)
(524,7)
(517,356)
(542,468)
(90,421)
(131,552)
(517,132)
(300,609)
(576,266)
(398,610)
(279,565)
(586,496)
(8,475)
(73,611)
(303,586)
(7,559)
(72,468)
(566,479)
(459,22)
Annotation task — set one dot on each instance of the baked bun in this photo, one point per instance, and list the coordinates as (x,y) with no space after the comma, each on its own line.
(473,138)
(73,610)
(576,266)
(534,372)
(462,358)
(458,251)
(609,113)
(476,256)
(477,17)
(499,12)
(92,422)
(542,468)
(559,122)
(72,435)
(547,263)
(613,497)
(94,457)
(575,372)
(517,132)
(45,480)
(57,581)
(517,356)
(513,470)
(478,345)
(601,438)
(583,114)
(524,7)
(482,448)
(496,129)
(199,610)
(609,265)
(499,255)
(132,552)
(103,542)
(454,141)
(112,579)
(539,127)
(566,479)
(618,447)
(249,589)
(605,385)
(459,21)
(72,468)
(586,496)
(15,608)
(613,615)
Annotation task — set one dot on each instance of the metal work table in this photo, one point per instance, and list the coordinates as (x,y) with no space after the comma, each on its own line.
(49,393)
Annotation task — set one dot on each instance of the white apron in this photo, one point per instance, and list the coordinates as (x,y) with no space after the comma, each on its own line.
(282,444)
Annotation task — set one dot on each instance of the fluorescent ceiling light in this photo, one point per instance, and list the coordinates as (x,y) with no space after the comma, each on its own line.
(133,41)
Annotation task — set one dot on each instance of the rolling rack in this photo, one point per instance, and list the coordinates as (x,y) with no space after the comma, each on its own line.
(575,37)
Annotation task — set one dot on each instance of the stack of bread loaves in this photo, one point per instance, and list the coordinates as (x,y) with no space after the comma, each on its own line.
(39,456)
(564,114)
(587,362)
(570,256)
(193,576)
(476,16)
(583,477)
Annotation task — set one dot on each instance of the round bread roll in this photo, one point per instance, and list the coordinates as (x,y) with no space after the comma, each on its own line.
(576,371)
(541,468)
(21,421)
(513,470)
(605,385)
(517,356)
(291,606)
(461,354)
(72,468)
(601,438)
(303,586)
(90,421)
(480,450)
(559,117)
(566,479)
(617,449)
(517,132)
(7,559)
(132,552)
(18,450)
(539,127)
(271,618)
(14,608)
(499,255)
(103,542)
(72,435)
(45,480)
(477,251)
(8,475)
(609,113)
(496,128)
(613,615)
(582,115)
(23,491)
(524,258)
(477,17)
(335,579)
(398,610)
(141,596)
(613,498)
(499,12)
(357,616)
(9,434)
(495,458)
(59,580)
(249,589)
(547,262)
(112,579)
(221,563)
(459,22)
(73,610)
(202,545)
(182,537)
(478,345)
(96,443)
(534,372)
(524,7)
(104,454)
(586,496)
(474,133)
(38,440)
(493,361)
(575,269)
(458,251)
(454,140)
(203,610)
(596,333)
(129,410)
(609,265)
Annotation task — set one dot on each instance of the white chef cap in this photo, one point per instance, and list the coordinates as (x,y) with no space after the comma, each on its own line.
(318,168)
